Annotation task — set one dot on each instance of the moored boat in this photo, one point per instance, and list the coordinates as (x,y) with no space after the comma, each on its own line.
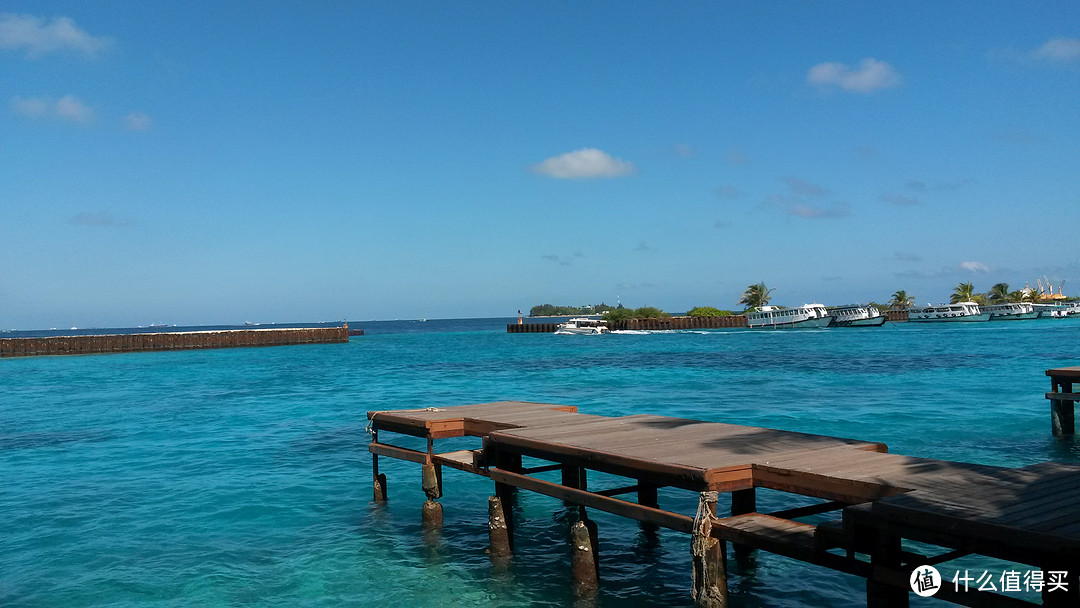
(582,327)
(1052,311)
(807,315)
(856,315)
(1011,311)
(961,311)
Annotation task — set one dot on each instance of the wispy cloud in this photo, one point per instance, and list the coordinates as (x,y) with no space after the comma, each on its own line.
(801,186)
(869,76)
(1058,50)
(37,36)
(866,152)
(976,267)
(584,164)
(684,150)
(68,108)
(137,121)
(101,218)
(563,261)
(836,210)
(735,156)
(921,186)
(727,191)
(900,201)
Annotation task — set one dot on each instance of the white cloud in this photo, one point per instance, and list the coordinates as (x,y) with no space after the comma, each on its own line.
(582,164)
(1058,49)
(801,186)
(817,213)
(31,108)
(974,267)
(102,218)
(727,191)
(137,121)
(38,36)
(68,108)
(869,76)
(71,108)
(900,201)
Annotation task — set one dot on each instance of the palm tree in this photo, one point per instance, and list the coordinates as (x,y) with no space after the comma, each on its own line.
(999,293)
(901,301)
(964,292)
(756,296)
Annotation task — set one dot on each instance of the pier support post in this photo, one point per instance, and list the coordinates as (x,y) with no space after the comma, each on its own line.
(507,493)
(378,479)
(574,477)
(432,512)
(584,563)
(742,502)
(710,576)
(498,531)
(1062,415)
(885,556)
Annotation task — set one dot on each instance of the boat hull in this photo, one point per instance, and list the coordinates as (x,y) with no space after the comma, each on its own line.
(957,319)
(872,322)
(1015,317)
(584,331)
(805,324)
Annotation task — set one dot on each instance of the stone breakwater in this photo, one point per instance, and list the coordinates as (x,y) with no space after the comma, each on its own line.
(122,343)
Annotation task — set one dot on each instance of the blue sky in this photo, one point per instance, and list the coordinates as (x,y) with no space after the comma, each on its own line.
(193,164)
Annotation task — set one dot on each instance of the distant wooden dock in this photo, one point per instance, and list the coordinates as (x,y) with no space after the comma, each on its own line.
(187,340)
(873,500)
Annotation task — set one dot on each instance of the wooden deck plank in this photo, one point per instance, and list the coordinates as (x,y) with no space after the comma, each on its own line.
(1012,513)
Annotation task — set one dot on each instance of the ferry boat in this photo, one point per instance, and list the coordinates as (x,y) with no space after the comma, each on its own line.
(1057,311)
(1012,311)
(961,311)
(807,315)
(1052,311)
(856,315)
(582,327)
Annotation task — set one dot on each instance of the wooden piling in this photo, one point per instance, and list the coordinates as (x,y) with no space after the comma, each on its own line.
(710,576)
(498,532)
(742,502)
(583,562)
(431,481)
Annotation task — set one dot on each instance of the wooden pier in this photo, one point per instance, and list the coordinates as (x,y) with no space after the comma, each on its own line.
(873,500)
(187,340)
(1063,400)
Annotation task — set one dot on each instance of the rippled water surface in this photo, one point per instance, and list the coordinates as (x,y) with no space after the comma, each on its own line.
(241,477)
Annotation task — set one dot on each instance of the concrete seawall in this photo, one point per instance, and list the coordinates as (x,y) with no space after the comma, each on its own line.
(641,324)
(121,343)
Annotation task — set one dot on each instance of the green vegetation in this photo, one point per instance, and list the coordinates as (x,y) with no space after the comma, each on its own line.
(964,292)
(901,301)
(756,296)
(550,310)
(708,311)
(645,312)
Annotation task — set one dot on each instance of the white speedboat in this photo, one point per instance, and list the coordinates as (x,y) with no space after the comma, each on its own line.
(807,315)
(582,327)
(856,315)
(961,311)
(1012,311)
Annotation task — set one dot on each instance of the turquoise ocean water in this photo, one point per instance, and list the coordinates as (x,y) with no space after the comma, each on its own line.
(241,477)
